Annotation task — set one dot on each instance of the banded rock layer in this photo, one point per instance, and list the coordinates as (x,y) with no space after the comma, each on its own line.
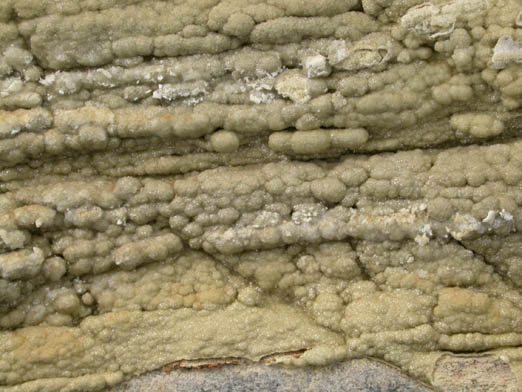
(203,179)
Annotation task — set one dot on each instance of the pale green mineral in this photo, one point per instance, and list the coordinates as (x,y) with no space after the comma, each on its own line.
(191,179)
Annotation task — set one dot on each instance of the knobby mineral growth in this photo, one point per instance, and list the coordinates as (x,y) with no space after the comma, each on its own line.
(202,178)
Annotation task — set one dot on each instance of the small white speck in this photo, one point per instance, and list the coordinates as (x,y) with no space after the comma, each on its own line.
(506,215)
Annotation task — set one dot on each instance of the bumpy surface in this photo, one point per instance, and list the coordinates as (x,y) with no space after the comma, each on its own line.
(202,178)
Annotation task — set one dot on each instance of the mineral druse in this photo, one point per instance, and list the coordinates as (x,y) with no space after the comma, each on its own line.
(191,179)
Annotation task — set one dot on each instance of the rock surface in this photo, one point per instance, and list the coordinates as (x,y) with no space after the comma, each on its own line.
(352,376)
(185,180)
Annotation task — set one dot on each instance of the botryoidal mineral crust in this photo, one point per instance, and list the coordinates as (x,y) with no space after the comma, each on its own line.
(198,179)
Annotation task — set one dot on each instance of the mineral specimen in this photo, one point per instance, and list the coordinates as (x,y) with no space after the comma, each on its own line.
(191,179)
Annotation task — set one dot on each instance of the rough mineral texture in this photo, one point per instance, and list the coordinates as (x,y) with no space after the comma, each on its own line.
(194,179)
(356,375)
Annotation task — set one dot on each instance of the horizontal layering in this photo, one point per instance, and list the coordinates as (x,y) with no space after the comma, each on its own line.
(203,179)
